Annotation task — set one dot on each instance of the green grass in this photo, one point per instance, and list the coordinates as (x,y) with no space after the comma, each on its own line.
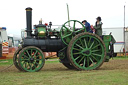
(65,78)
(121,57)
(10,61)
(6,62)
(62,76)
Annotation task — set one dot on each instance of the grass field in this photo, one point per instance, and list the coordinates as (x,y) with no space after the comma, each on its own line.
(114,72)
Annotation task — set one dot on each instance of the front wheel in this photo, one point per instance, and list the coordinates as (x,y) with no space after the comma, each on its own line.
(31,59)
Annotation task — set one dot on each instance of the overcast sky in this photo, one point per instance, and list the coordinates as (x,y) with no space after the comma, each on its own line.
(13,14)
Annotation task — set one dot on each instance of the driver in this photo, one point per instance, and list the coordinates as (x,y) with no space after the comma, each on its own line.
(87,26)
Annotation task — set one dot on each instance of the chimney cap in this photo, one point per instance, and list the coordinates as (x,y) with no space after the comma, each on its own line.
(28,9)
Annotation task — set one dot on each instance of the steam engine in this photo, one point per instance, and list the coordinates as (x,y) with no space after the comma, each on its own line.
(44,37)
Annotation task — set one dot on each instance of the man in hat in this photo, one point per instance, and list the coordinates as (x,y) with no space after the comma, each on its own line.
(87,26)
(98,26)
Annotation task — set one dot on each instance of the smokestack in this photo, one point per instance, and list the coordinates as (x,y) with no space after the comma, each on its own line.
(29,21)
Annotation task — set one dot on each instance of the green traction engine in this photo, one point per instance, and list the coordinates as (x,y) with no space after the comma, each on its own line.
(76,48)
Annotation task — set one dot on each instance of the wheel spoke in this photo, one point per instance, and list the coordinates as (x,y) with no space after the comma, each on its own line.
(32,63)
(77,57)
(76,53)
(94,50)
(96,46)
(25,65)
(81,59)
(66,28)
(24,62)
(92,61)
(85,43)
(76,49)
(79,30)
(38,56)
(35,53)
(81,42)
(28,53)
(88,61)
(25,56)
(79,46)
(24,59)
(37,63)
(67,35)
(34,66)
(89,40)
(94,58)
(84,62)
(96,54)
(38,59)
(30,66)
(91,45)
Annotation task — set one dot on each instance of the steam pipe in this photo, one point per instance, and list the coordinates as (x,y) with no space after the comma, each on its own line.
(29,21)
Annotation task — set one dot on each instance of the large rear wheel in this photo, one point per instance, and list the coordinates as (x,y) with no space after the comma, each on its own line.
(86,51)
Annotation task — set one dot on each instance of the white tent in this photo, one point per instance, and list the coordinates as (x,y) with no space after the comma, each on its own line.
(15,37)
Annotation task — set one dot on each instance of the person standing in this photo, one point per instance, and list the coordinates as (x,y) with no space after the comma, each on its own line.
(98,26)
(87,26)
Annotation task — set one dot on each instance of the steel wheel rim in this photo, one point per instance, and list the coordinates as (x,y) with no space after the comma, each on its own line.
(67,36)
(15,59)
(83,61)
(31,59)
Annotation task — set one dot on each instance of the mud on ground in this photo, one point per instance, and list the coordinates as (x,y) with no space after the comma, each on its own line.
(111,65)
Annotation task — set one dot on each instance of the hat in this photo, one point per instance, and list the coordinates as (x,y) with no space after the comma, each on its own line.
(84,21)
(99,18)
